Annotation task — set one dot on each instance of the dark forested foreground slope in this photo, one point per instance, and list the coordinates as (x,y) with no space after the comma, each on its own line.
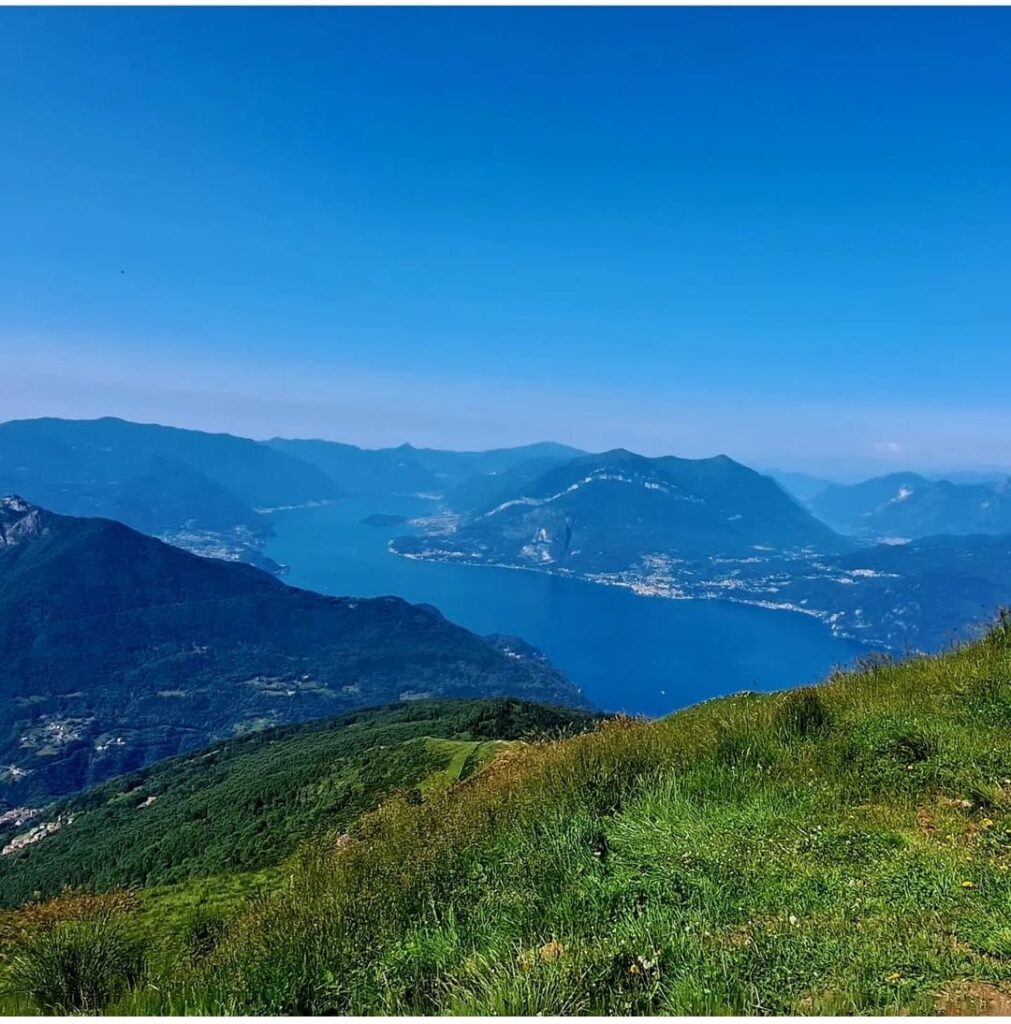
(838,849)
(244,804)
(118,650)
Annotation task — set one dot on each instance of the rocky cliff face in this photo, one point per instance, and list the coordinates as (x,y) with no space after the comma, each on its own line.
(19,521)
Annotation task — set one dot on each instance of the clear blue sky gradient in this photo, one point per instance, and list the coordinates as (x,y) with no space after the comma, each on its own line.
(782,233)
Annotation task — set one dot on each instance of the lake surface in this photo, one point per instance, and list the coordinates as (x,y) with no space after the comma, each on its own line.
(643,655)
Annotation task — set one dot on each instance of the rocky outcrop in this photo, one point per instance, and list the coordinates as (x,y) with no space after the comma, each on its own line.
(19,521)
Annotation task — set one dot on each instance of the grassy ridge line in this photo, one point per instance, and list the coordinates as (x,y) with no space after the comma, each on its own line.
(839,849)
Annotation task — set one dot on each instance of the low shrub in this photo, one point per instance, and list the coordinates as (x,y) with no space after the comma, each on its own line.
(203,930)
(891,752)
(803,714)
(75,966)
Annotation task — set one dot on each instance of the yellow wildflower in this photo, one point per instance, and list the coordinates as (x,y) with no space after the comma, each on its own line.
(552,951)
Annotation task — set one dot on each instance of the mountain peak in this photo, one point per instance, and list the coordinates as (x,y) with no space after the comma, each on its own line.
(19,521)
(14,503)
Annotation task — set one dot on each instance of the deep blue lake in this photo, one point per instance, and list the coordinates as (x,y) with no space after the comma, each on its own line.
(642,655)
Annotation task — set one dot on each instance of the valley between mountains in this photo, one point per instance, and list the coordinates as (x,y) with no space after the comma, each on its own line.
(899,563)
(121,648)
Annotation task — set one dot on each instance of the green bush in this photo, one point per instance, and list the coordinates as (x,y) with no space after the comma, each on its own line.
(802,715)
(203,930)
(75,967)
(743,746)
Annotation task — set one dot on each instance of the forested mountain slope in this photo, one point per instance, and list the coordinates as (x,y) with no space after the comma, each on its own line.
(119,650)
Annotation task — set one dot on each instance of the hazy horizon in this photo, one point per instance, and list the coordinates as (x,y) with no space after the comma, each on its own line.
(837,474)
(777,234)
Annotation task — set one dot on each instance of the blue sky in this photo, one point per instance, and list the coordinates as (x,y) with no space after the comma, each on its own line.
(782,233)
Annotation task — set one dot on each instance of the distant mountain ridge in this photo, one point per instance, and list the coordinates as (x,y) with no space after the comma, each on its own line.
(712,529)
(407,470)
(192,488)
(208,492)
(907,506)
(686,528)
(119,649)
(607,512)
(88,462)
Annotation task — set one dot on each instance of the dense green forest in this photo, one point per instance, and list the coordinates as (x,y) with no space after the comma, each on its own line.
(244,804)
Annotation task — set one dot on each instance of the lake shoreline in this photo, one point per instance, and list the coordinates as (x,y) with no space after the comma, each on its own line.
(625,654)
(640,590)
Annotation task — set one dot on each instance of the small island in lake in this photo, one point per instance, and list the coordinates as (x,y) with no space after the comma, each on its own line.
(384,519)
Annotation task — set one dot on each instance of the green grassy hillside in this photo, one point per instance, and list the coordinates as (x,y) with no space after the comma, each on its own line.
(837,849)
(245,804)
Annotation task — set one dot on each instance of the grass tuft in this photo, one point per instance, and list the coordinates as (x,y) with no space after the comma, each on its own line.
(75,967)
